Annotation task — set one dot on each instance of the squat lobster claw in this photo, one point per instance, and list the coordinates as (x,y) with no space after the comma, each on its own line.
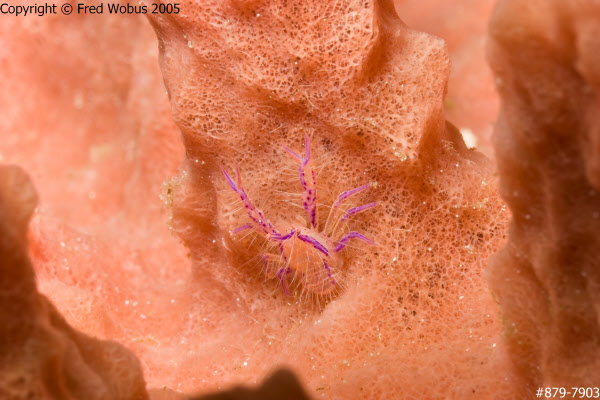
(305,252)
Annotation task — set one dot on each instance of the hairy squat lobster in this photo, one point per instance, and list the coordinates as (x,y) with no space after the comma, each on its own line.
(304,252)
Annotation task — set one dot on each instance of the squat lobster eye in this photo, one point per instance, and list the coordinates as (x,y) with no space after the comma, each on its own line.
(305,255)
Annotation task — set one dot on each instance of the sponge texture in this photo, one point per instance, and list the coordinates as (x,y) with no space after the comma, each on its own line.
(41,356)
(246,78)
(547,141)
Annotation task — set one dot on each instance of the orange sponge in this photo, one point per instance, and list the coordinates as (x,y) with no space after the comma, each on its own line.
(247,78)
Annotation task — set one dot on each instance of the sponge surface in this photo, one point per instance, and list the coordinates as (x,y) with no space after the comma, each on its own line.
(247,78)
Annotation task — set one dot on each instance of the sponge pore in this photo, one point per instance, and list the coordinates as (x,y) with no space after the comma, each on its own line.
(246,78)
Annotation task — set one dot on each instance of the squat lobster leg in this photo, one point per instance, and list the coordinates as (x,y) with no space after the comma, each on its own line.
(348,213)
(281,273)
(352,235)
(336,205)
(241,228)
(308,179)
(254,213)
(328,269)
(356,210)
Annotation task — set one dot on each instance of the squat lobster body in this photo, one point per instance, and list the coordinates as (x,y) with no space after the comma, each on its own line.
(304,253)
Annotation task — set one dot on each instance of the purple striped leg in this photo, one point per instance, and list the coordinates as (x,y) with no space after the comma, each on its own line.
(281,273)
(338,202)
(348,213)
(356,210)
(328,269)
(352,235)
(308,179)
(242,228)
(257,216)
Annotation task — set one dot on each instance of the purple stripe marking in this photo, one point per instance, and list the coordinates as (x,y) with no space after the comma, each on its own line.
(310,195)
(283,238)
(349,193)
(329,272)
(302,181)
(241,228)
(282,253)
(291,153)
(315,243)
(356,210)
(280,274)
(352,235)
(306,150)
(229,180)
(254,213)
